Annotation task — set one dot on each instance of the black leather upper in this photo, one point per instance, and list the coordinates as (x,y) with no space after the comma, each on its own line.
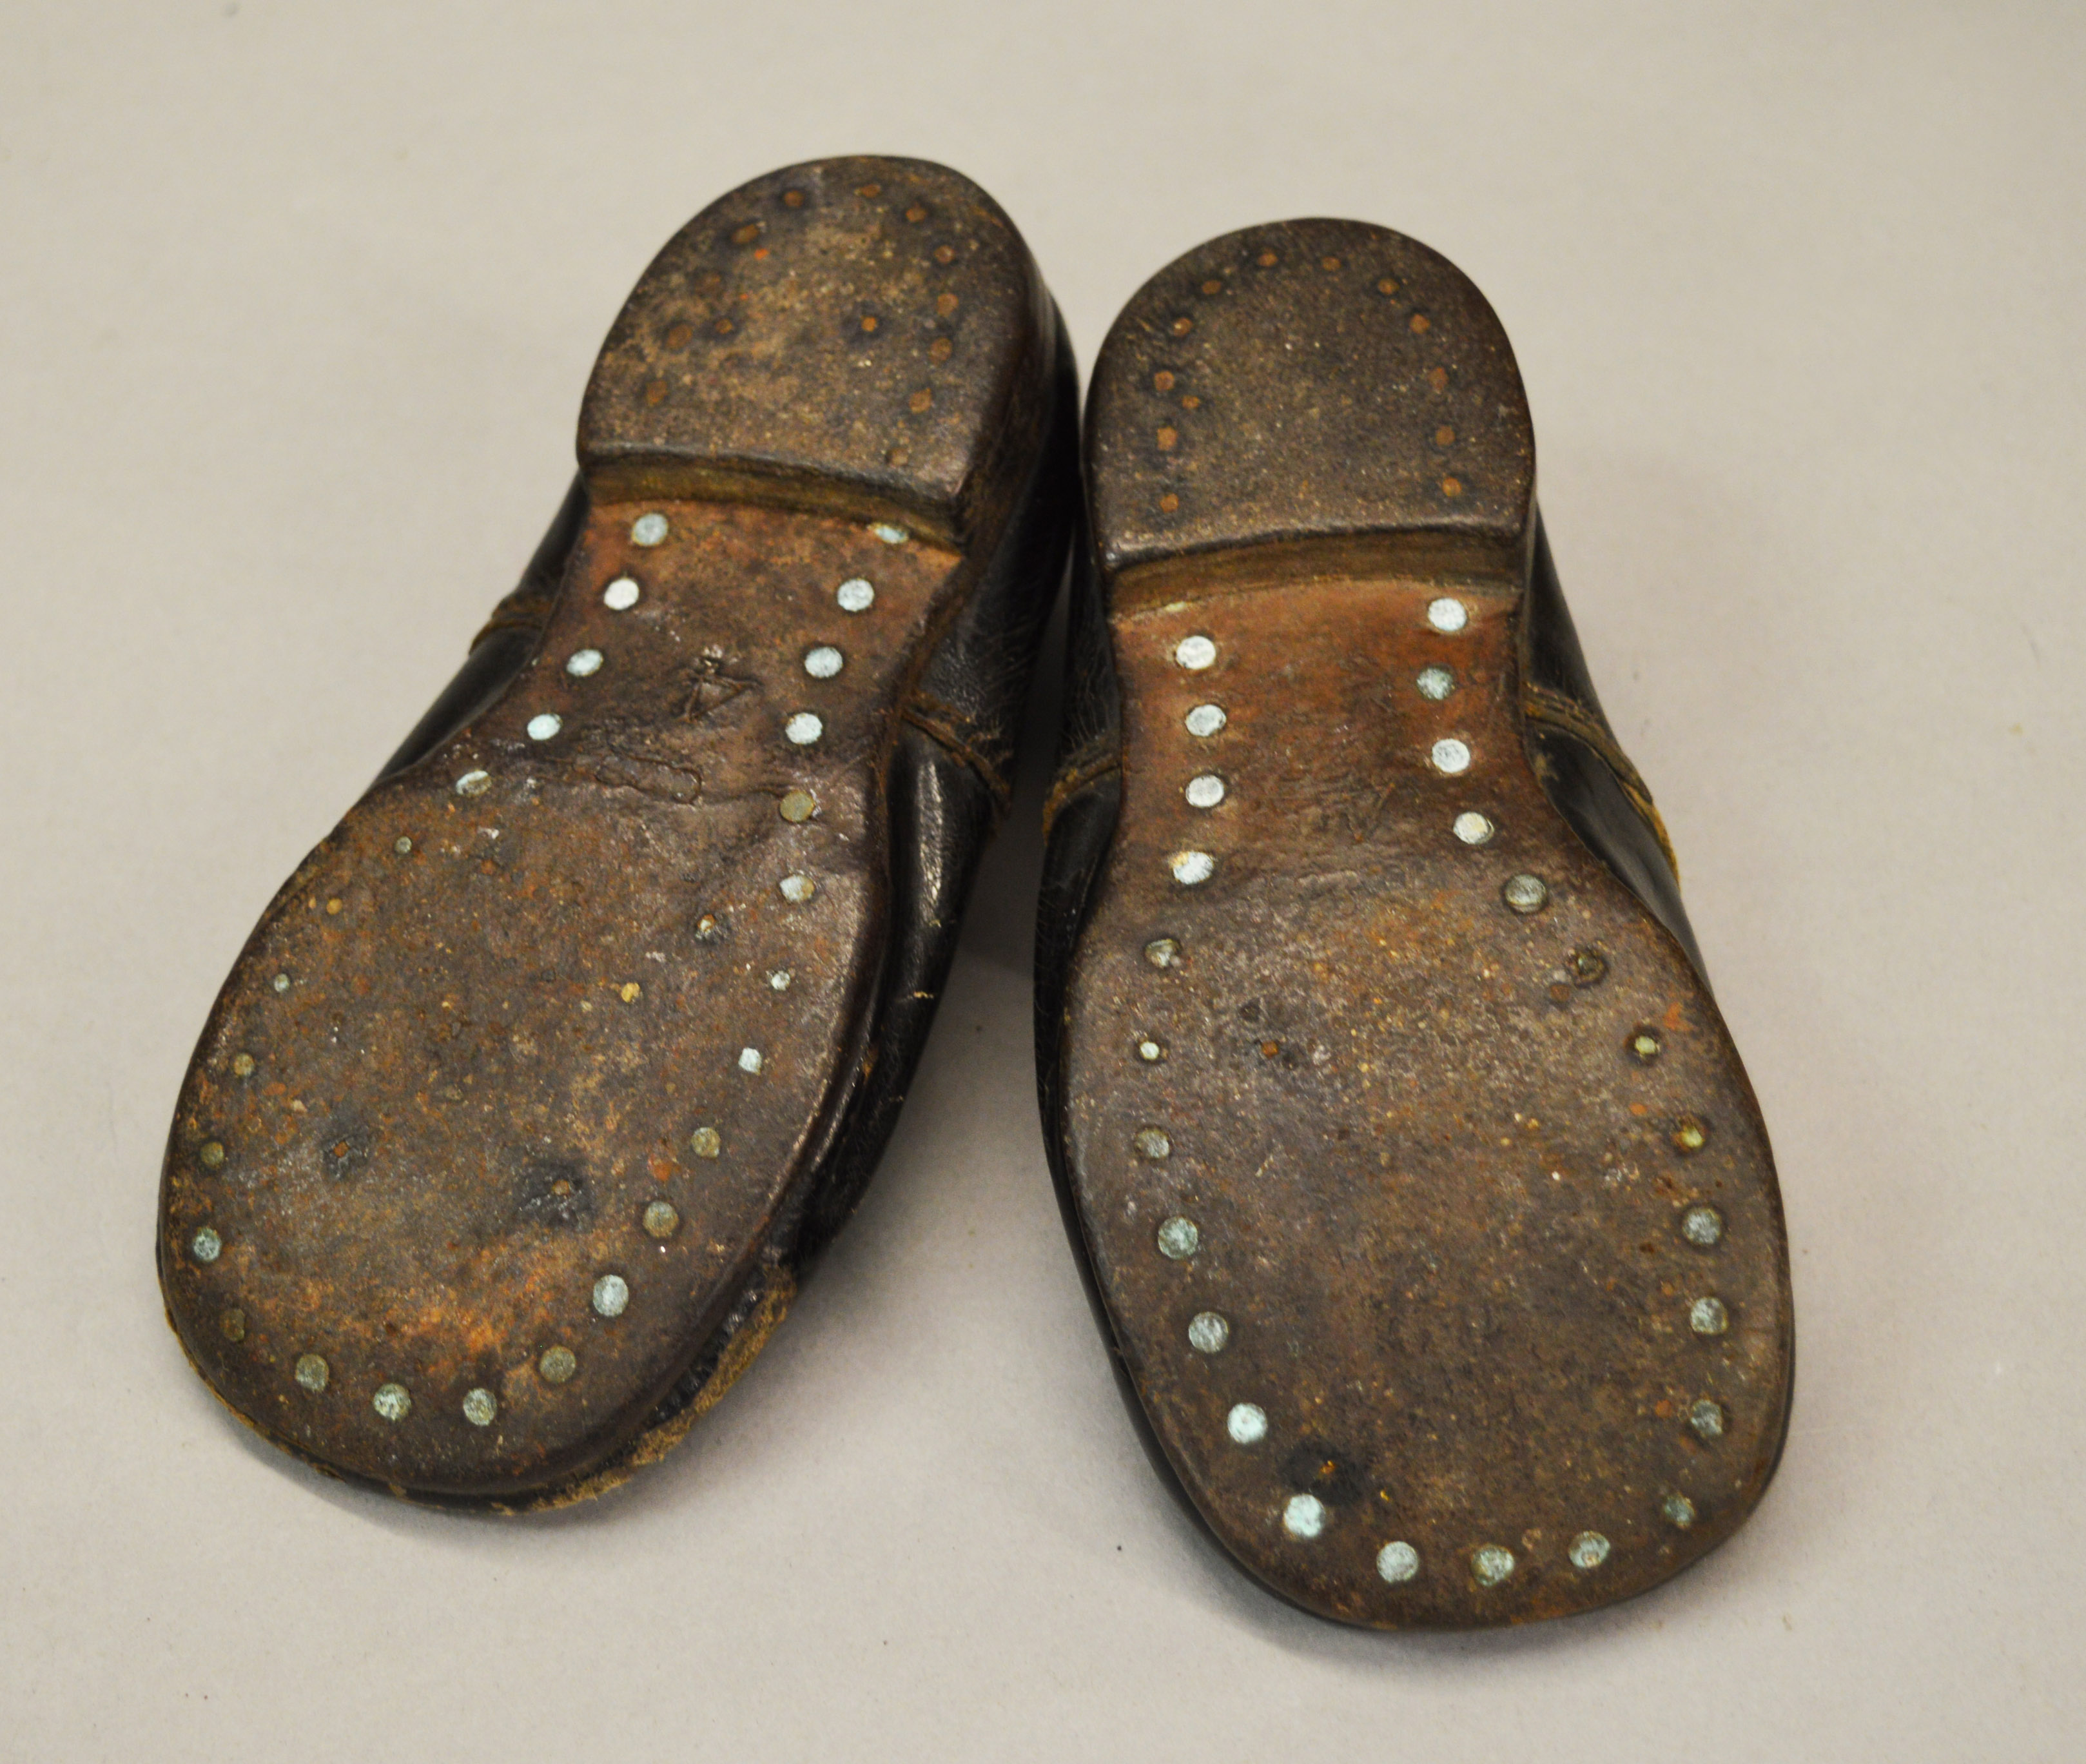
(1583,770)
(1078,817)
(503,647)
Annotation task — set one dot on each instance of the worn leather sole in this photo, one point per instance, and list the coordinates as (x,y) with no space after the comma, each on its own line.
(1423,1196)
(512,1127)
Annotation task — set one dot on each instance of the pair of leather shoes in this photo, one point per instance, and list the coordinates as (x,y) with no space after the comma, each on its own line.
(1425,1206)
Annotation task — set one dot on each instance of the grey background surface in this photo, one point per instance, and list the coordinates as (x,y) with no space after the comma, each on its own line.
(298,302)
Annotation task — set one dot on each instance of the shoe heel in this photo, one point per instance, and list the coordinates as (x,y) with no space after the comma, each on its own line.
(857,337)
(1388,429)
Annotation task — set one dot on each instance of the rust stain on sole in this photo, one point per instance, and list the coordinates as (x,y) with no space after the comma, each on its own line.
(1424,1192)
(500,1140)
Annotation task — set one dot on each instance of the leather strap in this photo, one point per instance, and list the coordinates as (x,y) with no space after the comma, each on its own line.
(1547,704)
(519,612)
(1076,772)
(952,731)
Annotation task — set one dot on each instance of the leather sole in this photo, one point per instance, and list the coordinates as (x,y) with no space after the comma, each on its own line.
(1427,1204)
(506,1139)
